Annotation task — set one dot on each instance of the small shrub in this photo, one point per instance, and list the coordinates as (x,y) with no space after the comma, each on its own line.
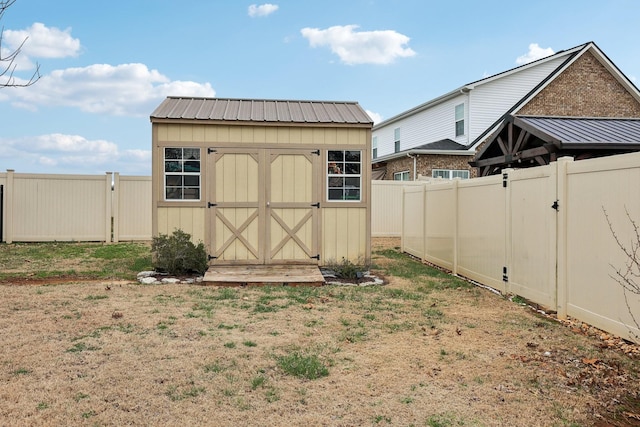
(346,269)
(176,254)
(303,366)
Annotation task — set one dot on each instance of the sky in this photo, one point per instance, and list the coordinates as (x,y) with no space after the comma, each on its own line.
(105,66)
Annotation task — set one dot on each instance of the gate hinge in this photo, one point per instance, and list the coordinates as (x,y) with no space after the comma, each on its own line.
(316,205)
(211,150)
(505,177)
(316,152)
(556,205)
(212,257)
(505,277)
(210,205)
(316,257)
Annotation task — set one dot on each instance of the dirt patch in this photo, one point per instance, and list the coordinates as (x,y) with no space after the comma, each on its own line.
(413,352)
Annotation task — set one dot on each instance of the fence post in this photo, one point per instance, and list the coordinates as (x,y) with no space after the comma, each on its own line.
(115,207)
(508,238)
(561,237)
(425,221)
(108,208)
(8,208)
(402,220)
(456,218)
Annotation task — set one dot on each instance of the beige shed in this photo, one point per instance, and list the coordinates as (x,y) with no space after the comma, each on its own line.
(264,181)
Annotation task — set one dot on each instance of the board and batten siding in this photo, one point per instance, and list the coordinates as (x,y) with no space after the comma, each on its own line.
(190,220)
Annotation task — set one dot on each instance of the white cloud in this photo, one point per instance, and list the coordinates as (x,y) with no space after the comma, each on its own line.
(364,47)
(39,41)
(262,10)
(73,154)
(377,118)
(125,89)
(535,53)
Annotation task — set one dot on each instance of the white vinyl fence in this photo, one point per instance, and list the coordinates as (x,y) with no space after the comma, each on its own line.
(103,208)
(540,233)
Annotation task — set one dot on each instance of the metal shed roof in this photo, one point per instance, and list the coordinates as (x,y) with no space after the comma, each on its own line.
(262,110)
(586,132)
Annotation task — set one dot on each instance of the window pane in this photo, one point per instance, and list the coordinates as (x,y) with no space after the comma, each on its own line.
(352,156)
(459,112)
(352,168)
(173,180)
(352,182)
(460,128)
(192,154)
(336,156)
(396,134)
(192,166)
(335,194)
(172,166)
(173,153)
(191,193)
(174,193)
(191,180)
(352,194)
(336,182)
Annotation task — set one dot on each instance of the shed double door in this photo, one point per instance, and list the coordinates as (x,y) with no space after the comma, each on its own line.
(264,206)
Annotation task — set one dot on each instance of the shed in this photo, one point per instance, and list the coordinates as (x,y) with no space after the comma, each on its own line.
(264,181)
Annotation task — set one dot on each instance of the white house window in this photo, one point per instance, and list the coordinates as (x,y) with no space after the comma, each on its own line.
(344,175)
(459,119)
(396,140)
(450,173)
(182,173)
(401,176)
(375,147)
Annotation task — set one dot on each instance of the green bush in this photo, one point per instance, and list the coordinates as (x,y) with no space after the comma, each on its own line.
(176,254)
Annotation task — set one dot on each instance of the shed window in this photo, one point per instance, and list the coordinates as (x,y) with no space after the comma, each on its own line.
(459,119)
(182,173)
(344,175)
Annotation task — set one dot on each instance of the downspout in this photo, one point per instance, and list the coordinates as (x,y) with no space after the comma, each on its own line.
(415,175)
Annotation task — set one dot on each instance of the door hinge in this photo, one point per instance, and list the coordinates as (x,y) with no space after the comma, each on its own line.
(210,205)
(316,205)
(505,177)
(505,277)
(316,152)
(556,205)
(212,257)
(316,257)
(211,150)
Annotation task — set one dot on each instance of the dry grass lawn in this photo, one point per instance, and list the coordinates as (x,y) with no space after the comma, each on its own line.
(424,350)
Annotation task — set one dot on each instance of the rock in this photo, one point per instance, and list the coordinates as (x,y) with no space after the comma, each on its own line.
(170,281)
(148,280)
(143,274)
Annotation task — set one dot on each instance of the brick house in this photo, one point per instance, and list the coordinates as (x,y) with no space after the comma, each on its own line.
(455,135)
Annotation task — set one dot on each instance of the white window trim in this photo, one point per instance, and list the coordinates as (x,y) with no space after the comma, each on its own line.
(342,174)
(450,173)
(456,120)
(183,174)
(401,173)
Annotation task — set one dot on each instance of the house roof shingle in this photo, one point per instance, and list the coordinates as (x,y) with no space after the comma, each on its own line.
(262,110)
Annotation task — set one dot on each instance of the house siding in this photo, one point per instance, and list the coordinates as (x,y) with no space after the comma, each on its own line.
(585,89)
(485,107)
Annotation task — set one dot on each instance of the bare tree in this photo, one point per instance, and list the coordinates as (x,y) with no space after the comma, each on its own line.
(628,277)
(8,60)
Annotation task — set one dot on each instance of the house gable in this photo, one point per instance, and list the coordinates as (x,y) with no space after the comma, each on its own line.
(585,89)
